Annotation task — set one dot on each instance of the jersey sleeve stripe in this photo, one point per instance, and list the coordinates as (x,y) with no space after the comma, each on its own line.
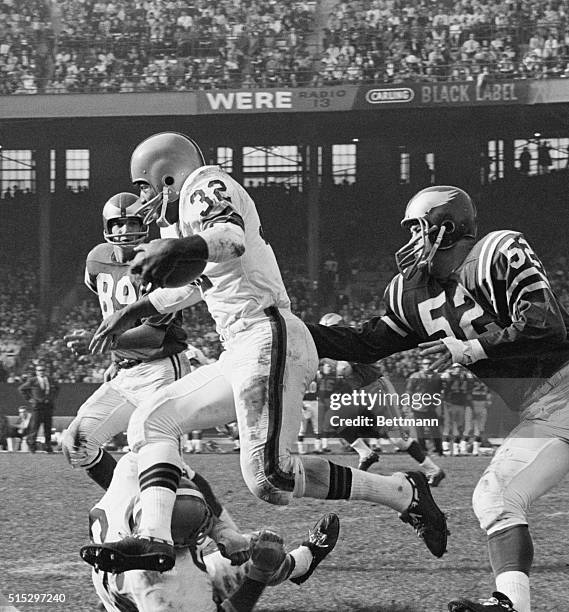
(483,268)
(391,323)
(525,275)
(528,289)
(486,259)
(227,215)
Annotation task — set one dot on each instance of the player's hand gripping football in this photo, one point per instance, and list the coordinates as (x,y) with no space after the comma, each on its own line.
(155,260)
(110,329)
(78,341)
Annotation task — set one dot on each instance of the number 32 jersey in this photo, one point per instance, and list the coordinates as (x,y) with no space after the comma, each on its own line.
(500,295)
(115,288)
(242,287)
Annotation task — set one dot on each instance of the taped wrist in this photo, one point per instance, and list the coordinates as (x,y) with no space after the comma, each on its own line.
(464,351)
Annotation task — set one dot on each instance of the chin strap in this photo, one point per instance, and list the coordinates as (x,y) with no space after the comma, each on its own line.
(434,248)
(161,221)
(155,210)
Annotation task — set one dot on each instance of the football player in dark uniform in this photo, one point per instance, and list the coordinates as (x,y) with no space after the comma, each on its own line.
(456,386)
(149,355)
(428,385)
(489,306)
(475,416)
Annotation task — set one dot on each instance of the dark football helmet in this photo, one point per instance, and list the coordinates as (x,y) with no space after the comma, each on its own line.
(192,518)
(124,206)
(164,161)
(438,218)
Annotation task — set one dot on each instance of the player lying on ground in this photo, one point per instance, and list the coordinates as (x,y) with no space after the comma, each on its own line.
(489,306)
(148,356)
(269,359)
(200,582)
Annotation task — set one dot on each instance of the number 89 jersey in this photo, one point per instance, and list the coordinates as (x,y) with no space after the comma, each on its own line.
(110,280)
(244,286)
(115,288)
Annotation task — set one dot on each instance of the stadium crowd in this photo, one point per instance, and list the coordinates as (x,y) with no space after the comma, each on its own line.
(85,46)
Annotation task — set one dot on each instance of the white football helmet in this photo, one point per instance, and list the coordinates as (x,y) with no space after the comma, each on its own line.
(164,161)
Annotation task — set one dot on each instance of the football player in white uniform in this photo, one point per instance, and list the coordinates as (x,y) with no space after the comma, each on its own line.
(268,362)
(200,582)
(149,355)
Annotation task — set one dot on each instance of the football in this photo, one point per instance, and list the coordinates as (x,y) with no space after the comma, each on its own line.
(184,272)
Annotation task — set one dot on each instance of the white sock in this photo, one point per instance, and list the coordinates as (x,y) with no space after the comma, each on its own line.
(475,448)
(302,560)
(446,446)
(516,586)
(361,448)
(317,444)
(301,448)
(463,447)
(429,466)
(455,448)
(324,442)
(394,491)
(197,444)
(157,502)
(186,444)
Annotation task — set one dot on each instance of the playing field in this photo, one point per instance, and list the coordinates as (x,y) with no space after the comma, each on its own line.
(379,564)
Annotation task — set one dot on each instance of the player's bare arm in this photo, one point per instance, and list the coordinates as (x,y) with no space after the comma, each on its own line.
(113,326)
(118,331)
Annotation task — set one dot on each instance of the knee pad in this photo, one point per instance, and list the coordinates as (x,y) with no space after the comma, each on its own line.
(151,425)
(495,506)
(264,485)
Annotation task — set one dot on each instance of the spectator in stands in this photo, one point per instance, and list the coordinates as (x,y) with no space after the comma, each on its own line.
(525,161)
(544,160)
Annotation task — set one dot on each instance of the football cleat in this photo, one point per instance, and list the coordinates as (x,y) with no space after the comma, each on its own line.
(497,603)
(435,479)
(425,516)
(321,541)
(368,461)
(132,553)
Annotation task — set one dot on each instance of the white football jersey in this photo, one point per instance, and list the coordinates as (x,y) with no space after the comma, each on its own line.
(242,287)
(185,588)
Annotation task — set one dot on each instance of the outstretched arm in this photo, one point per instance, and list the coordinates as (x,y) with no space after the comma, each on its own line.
(119,331)
(225,533)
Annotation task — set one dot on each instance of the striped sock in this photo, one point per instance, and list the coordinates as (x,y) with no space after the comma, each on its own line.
(159,480)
